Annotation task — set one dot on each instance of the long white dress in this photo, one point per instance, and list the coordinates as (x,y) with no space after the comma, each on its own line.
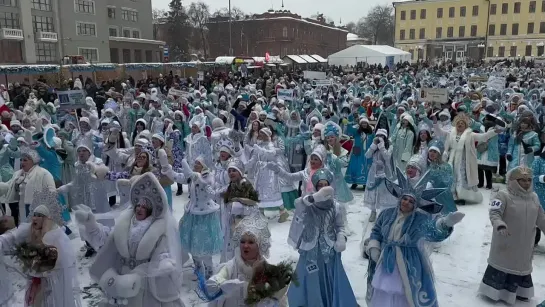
(60,285)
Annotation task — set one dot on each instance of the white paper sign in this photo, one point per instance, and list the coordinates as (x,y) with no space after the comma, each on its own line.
(71,99)
(200,76)
(179,93)
(323,82)
(434,95)
(497,83)
(308,74)
(284,94)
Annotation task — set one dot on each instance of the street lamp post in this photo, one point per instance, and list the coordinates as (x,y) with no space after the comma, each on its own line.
(230,35)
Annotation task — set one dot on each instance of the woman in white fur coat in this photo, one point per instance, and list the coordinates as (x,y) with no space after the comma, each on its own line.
(461,154)
(31,177)
(56,287)
(139,261)
(252,242)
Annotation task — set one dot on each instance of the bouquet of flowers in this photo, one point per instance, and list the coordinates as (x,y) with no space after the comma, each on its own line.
(268,279)
(36,257)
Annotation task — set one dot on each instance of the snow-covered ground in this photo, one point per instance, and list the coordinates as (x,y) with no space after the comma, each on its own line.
(459,262)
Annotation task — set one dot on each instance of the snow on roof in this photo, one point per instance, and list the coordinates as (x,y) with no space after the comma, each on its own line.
(319,58)
(297,59)
(308,58)
(225,59)
(352,37)
(285,18)
(368,51)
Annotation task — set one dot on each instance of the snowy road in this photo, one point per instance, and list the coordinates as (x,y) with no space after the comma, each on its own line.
(459,262)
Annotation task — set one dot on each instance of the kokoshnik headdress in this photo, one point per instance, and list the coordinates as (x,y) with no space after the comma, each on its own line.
(46,202)
(419,191)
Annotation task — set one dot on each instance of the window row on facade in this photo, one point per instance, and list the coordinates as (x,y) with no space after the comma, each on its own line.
(438,33)
(502,31)
(132,55)
(126,32)
(506,8)
(529,51)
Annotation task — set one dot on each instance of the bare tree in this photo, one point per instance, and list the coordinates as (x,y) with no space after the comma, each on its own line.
(378,25)
(159,18)
(198,14)
(236,13)
(157,14)
(351,27)
(178,29)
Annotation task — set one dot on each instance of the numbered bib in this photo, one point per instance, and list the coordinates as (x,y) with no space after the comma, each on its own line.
(312,268)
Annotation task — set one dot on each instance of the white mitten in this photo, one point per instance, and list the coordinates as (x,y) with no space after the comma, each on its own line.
(340,243)
(84,215)
(128,285)
(451,219)
(168,171)
(166,265)
(92,166)
(101,171)
(163,159)
(324,194)
(374,253)
(503,231)
(108,282)
(232,285)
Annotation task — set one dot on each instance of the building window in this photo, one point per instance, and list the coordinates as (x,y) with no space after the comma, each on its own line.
(46,52)
(42,5)
(542,10)
(403,15)
(530,28)
(503,29)
(113,31)
(9,20)
(86,29)
(540,50)
(422,34)
(42,23)
(501,51)
(413,14)
(285,32)
(423,14)
(532,7)
(111,12)
(138,56)
(412,34)
(129,15)
(90,54)
(85,6)
(126,56)
(401,35)
(528,50)
(8,2)
(136,34)
(490,52)
(513,51)
(515,29)
(473,30)
(475,10)
(450,31)
(462,11)
(438,32)
(517,8)
(505,8)
(492,30)
(451,11)
(114,55)
(149,56)
(420,54)
(462,31)
(127,33)
(440,12)
(542,27)
(493,9)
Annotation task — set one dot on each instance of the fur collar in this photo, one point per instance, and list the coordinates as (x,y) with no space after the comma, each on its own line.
(148,242)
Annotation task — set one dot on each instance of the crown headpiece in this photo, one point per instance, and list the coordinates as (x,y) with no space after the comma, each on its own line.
(49,200)
(419,191)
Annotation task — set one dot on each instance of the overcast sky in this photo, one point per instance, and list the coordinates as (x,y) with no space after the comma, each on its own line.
(346,10)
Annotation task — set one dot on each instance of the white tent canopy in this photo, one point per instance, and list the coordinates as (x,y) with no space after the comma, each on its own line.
(371,54)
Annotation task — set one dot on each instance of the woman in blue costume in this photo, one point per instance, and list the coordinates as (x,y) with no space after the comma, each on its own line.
(319,236)
(538,168)
(358,165)
(335,161)
(440,176)
(524,142)
(400,273)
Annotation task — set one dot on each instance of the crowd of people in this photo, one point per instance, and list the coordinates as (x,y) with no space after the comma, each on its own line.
(116,164)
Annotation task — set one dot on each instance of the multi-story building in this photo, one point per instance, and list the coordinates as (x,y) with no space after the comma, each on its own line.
(276,32)
(44,31)
(456,29)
